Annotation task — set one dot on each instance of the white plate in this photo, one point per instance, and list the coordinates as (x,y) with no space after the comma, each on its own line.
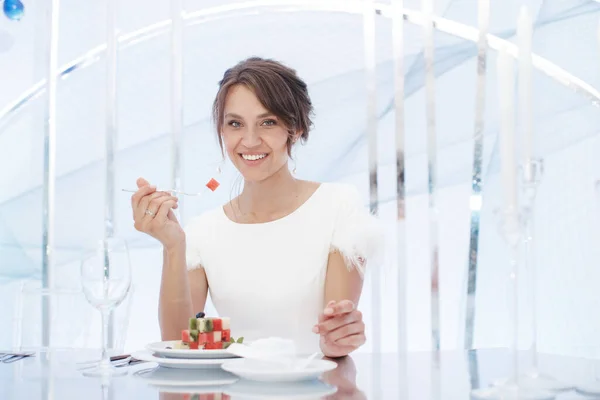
(207,381)
(259,371)
(290,390)
(180,363)
(160,349)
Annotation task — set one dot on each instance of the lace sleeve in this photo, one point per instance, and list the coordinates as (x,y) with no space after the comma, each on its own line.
(357,235)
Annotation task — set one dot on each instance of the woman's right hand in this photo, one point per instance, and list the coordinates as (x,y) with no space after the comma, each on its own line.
(153,214)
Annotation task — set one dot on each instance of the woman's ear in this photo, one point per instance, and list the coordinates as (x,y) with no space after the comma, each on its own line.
(297,135)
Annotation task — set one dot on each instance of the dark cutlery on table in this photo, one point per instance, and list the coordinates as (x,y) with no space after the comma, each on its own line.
(11,357)
(124,360)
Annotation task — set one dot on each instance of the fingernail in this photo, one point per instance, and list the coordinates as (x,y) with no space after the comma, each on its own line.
(316,329)
(328,311)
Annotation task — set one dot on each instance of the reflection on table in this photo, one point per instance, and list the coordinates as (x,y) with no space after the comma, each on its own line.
(335,385)
(419,375)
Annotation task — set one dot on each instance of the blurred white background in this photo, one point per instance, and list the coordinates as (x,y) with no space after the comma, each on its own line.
(327,50)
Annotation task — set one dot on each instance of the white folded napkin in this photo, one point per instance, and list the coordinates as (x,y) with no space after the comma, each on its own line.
(268,352)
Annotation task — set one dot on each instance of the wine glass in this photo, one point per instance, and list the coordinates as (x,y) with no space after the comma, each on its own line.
(106,280)
(531,177)
(512,388)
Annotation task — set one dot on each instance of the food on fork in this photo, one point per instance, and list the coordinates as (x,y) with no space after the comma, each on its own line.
(207,334)
(213,184)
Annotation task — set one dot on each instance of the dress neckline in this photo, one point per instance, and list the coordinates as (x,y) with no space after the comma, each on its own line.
(299,209)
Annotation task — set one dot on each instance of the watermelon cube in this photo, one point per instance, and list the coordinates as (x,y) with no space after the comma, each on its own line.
(205,325)
(225,323)
(217,324)
(214,346)
(209,337)
(203,338)
(185,336)
(226,335)
(194,346)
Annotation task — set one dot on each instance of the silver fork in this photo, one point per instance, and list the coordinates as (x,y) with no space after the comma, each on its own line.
(170,191)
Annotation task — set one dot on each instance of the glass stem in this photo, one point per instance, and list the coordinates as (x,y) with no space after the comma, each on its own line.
(530,253)
(514,310)
(105,319)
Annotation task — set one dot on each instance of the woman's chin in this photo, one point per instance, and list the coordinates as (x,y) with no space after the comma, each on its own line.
(255,176)
(259,173)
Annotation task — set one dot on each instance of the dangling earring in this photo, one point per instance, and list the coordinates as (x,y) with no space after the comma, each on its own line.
(293,158)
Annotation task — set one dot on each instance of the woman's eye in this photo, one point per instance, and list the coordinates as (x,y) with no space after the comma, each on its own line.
(235,124)
(269,122)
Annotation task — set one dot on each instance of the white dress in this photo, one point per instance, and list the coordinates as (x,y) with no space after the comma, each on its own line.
(269,278)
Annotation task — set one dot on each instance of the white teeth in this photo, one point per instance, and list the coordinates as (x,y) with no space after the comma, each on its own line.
(253,157)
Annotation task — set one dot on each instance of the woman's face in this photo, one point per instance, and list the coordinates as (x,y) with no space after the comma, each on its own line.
(254,138)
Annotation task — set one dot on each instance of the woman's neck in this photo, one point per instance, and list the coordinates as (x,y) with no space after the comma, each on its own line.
(274,194)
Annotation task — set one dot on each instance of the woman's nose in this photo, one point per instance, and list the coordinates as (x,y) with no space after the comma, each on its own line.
(251,137)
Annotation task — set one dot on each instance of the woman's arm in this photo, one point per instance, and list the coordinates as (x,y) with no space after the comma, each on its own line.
(340,282)
(357,237)
(181,292)
(340,324)
(199,288)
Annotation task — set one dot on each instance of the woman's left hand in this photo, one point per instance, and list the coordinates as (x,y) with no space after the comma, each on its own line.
(341,328)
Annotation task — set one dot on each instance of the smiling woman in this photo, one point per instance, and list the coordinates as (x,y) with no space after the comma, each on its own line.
(286,257)
(255,139)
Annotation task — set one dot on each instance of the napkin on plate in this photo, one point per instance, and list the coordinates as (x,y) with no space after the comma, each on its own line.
(268,352)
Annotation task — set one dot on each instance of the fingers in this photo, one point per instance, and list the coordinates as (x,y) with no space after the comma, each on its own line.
(141,182)
(154,205)
(151,202)
(341,307)
(171,215)
(345,331)
(164,209)
(332,324)
(353,341)
(159,203)
(322,316)
(140,194)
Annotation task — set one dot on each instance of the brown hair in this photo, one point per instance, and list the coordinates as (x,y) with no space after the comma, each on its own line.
(277,87)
